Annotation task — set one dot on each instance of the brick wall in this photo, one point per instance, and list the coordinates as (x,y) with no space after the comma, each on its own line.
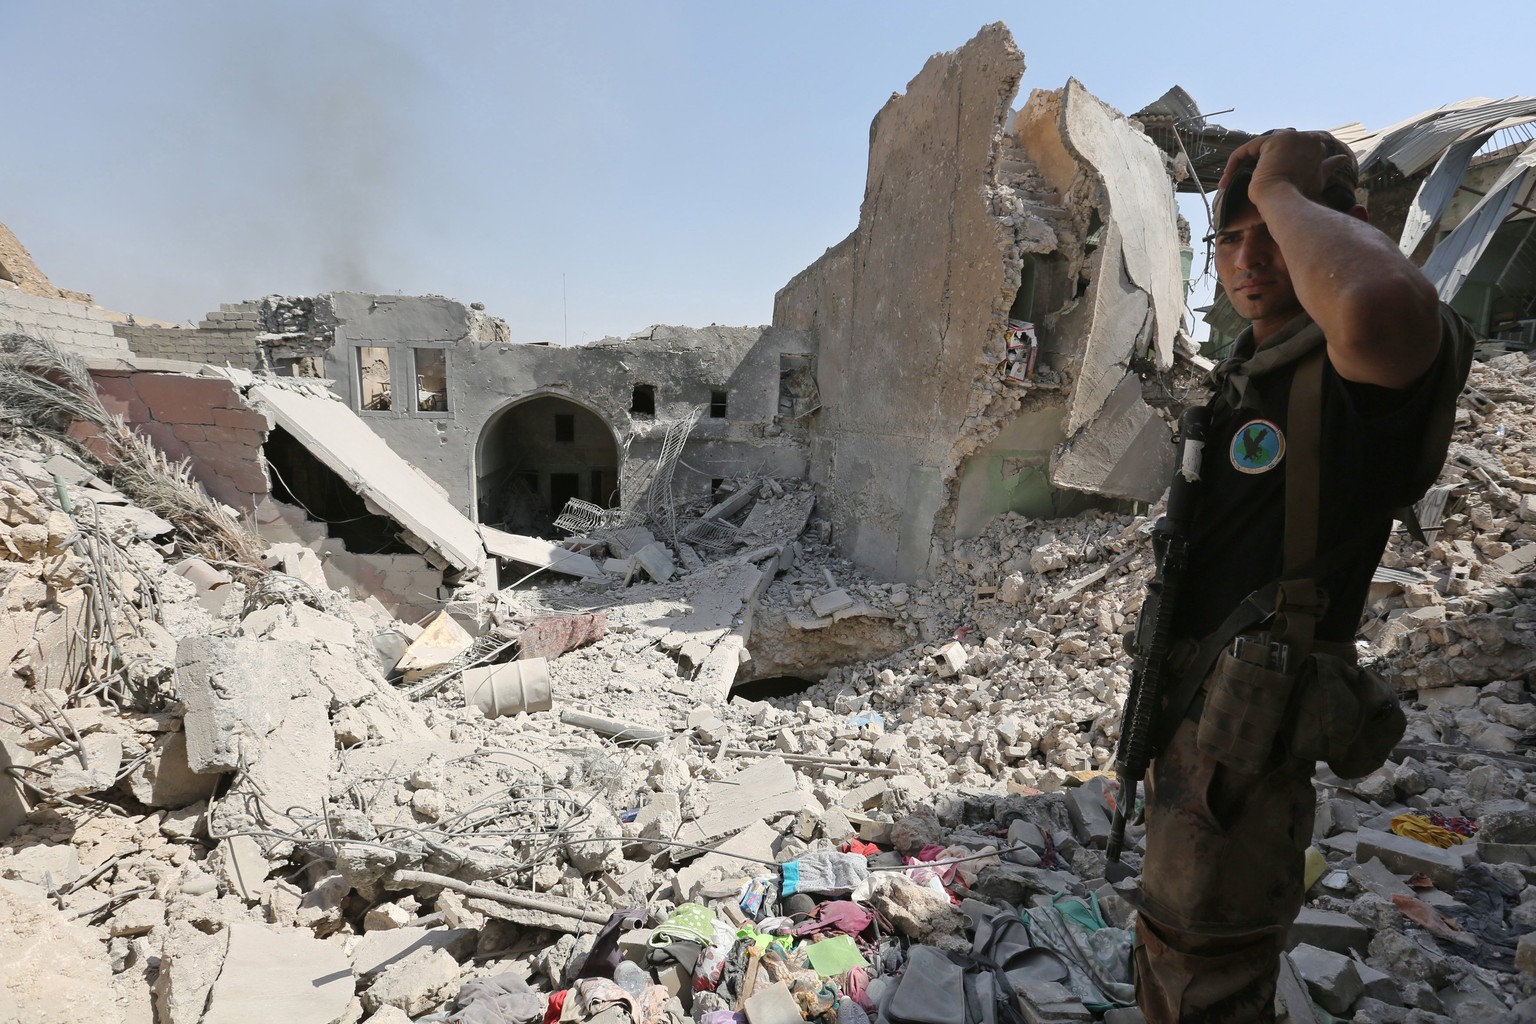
(72,326)
(225,337)
(198,418)
(231,344)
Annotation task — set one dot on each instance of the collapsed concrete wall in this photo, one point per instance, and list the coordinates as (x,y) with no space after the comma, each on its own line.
(1064,222)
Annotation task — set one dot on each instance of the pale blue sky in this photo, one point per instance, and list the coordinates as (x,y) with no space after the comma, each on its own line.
(676,162)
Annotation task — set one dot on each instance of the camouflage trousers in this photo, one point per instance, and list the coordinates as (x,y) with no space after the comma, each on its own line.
(1221,884)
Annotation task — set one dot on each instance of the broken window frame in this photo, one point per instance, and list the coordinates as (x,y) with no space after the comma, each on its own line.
(719,404)
(440,407)
(382,401)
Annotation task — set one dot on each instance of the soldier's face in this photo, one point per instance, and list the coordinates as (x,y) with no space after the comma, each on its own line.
(1253,273)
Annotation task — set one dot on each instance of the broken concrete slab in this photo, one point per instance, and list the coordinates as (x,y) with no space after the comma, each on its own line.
(831,601)
(779,519)
(625,541)
(378,950)
(543,554)
(13,803)
(49,866)
(756,840)
(756,793)
(1327,929)
(654,560)
(1330,977)
(279,975)
(1411,857)
(341,440)
(190,961)
(273,727)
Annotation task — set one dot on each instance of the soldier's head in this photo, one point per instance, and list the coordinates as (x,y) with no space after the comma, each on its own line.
(1250,265)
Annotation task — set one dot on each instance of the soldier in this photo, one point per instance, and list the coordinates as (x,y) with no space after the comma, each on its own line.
(1227,829)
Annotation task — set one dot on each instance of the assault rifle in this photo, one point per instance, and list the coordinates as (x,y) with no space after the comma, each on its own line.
(1153,636)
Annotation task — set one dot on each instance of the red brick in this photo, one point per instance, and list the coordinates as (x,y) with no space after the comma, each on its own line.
(190,432)
(240,419)
(218,435)
(202,451)
(120,388)
(178,399)
(163,438)
(99,447)
(250,439)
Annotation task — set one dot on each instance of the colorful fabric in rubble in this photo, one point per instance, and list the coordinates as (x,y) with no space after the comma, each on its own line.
(826,872)
(1414,826)
(690,921)
(817,999)
(837,917)
(499,999)
(1098,957)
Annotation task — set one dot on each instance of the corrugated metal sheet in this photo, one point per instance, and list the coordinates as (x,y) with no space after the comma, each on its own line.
(1455,257)
(1372,151)
(1436,193)
(1420,147)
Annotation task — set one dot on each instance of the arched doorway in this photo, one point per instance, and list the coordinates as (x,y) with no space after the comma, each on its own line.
(535,455)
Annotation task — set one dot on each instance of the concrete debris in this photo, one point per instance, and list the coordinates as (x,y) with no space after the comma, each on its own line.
(537,553)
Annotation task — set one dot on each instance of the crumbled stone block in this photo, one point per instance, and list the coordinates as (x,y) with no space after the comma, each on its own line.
(951,658)
(1525,954)
(1407,856)
(1332,978)
(138,917)
(1327,929)
(831,601)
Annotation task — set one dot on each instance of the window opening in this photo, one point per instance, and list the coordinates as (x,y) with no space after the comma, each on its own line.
(643,401)
(431,379)
(798,393)
(374,379)
(717,404)
(565,427)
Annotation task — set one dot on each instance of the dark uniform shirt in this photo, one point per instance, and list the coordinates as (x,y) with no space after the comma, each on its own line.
(1372,442)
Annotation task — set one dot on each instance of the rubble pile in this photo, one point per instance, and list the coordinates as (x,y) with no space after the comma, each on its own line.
(230,791)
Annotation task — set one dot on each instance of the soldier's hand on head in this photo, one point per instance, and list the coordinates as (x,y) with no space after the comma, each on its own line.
(1296,158)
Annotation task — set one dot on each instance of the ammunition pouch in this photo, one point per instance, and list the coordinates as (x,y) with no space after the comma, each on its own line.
(1345,715)
(1246,698)
(1257,709)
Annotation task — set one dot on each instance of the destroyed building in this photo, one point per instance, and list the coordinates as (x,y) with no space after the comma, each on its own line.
(346,771)
(886,378)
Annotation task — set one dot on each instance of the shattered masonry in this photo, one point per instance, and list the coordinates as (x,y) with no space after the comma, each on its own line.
(509,653)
